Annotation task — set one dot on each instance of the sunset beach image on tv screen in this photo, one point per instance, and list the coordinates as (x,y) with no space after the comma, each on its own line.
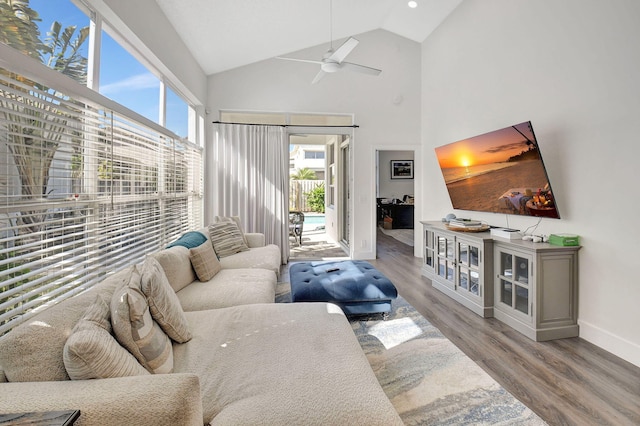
(500,172)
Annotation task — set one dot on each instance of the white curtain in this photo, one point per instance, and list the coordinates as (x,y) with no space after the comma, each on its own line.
(248,167)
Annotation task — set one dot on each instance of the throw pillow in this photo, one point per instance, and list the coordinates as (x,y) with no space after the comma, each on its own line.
(177,266)
(91,352)
(235,219)
(136,330)
(163,303)
(226,238)
(204,261)
(189,240)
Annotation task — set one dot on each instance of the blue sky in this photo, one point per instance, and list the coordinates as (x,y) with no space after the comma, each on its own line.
(122,77)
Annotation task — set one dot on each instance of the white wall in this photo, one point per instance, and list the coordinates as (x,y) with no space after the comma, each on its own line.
(387,107)
(393,188)
(571,67)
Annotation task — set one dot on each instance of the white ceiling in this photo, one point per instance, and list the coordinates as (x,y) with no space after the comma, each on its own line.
(226,34)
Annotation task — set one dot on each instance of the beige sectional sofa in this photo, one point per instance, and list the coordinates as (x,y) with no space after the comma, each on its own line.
(244,359)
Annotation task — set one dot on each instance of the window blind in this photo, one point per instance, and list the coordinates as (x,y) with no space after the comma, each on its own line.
(84,192)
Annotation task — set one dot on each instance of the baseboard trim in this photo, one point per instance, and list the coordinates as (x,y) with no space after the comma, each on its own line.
(618,346)
(363,255)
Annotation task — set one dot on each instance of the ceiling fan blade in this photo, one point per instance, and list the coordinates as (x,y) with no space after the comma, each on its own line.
(342,51)
(318,77)
(299,60)
(360,68)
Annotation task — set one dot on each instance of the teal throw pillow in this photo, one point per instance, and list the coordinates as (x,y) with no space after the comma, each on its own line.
(189,240)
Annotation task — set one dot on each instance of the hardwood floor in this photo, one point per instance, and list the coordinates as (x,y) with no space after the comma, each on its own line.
(566,381)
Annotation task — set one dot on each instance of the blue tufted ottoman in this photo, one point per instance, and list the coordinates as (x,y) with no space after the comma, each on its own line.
(354,285)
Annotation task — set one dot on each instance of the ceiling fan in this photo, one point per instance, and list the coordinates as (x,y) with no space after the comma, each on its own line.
(333,60)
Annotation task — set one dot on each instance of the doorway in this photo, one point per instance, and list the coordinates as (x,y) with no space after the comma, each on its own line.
(321,159)
(395,192)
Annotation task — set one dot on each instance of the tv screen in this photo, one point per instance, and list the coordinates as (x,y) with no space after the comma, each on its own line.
(498,172)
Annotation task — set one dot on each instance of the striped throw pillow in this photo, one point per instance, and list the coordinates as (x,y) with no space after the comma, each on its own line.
(235,219)
(136,330)
(226,238)
(91,352)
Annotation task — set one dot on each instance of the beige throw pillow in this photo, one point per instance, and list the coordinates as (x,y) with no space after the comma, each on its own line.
(204,261)
(177,266)
(163,303)
(91,352)
(226,238)
(136,330)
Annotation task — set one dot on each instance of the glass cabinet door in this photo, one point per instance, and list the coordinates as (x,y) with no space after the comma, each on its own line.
(468,270)
(521,285)
(429,255)
(513,275)
(445,256)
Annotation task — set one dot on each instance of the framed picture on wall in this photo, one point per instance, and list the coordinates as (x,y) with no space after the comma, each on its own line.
(401,169)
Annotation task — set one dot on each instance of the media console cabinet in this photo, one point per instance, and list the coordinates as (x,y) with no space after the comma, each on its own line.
(532,287)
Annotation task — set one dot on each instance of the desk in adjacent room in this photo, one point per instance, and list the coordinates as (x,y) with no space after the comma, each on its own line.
(402,215)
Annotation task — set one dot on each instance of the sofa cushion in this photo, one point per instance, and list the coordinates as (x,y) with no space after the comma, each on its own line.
(163,303)
(282,363)
(177,266)
(33,350)
(204,261)
(189,240)
(267,257)
(136,330)
(230,287)
(226,238)
(91,352)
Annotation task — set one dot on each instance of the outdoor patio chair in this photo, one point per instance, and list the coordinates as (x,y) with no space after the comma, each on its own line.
(296,220)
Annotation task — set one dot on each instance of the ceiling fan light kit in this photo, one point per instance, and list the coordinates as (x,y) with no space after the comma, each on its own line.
(330,66)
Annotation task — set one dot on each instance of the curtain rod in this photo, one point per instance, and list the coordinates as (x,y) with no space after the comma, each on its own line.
(355,126)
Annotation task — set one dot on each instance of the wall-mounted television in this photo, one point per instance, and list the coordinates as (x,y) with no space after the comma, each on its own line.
(498,172)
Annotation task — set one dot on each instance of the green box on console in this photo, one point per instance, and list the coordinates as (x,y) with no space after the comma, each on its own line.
(564,240)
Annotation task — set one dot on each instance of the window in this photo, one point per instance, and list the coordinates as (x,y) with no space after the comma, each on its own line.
(38,28)
(252,118)
(42,36)
(177,119)
(318,155)
(125,80)
(85,191)
(320,120)
(285,118)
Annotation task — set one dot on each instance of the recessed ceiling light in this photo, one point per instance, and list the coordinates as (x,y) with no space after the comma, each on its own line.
(412,4)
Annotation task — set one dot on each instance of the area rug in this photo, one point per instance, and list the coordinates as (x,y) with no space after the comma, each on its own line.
(426,377)
(405,236)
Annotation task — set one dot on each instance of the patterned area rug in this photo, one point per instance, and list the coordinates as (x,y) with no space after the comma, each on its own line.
(426,377)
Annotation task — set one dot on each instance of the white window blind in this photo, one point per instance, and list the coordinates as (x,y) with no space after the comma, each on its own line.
(84,192)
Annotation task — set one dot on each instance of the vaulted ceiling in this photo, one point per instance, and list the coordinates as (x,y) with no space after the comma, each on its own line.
(226,34)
